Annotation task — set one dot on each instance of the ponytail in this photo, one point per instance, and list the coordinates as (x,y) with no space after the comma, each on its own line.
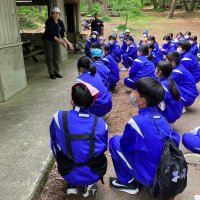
(93,70)
(174,90)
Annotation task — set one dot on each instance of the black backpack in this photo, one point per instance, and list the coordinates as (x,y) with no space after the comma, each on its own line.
(171,174)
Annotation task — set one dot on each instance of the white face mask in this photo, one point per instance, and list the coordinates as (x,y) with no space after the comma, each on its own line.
(111,42)
(94,36)
(165,42)
(138,54)
(191,42)
(180,51)
(187,37)
(144,35)
(133,100)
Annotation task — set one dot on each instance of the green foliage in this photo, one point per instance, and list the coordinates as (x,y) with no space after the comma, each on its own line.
(31,16)
(106,18)
(96,8)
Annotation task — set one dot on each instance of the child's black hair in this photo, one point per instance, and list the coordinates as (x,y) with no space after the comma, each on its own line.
(174,56)
(151,46)
(130,38)
(171,35)
(106,48)
(166,68)
(179,33)
(94,45)
(151,38)
(111,37)
(150,89)
(81,96)
(193,38)
(86,63)
(185,45)
(167,37)
(188,33)
(144,49)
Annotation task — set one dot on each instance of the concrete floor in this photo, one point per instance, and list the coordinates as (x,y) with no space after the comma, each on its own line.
(24,122)
(24,144)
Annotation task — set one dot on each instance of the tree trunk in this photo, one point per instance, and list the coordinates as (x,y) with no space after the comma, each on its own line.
(126,19)
(90,2)
(192,6)
(185,5)
(172,8)
(104,7)
(154,4)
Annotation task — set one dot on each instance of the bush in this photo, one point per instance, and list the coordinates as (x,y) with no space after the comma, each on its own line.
(106,18)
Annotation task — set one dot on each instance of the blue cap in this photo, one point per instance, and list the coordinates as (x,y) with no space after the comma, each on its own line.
(146,31)
(96,53)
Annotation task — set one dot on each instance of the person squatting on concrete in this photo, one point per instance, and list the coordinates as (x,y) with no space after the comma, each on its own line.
(79,141)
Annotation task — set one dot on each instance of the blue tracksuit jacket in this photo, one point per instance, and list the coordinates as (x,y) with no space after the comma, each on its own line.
(190,62)
(115,51)
(88,45)
(172,109)
(186,85)
(136,154)
(79,123)
(194,49)
(103,103)
(113,67)
(169,48)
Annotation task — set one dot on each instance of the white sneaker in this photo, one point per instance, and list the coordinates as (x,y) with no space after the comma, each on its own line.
(184,110)
(124,69)
(90,190)
(72,190)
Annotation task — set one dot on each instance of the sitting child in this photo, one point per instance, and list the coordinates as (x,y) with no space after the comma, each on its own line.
(130,55)
(87,73)
(133,151)
(171,107)
(79,141)
(191,141)
(113,67)
(141,67)
(183,79)
(144,39)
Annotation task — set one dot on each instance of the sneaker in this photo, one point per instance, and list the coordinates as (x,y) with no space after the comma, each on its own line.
(58,75)
(52,76)
(90,190)
(184,110)
(71,189)
(124,69)
(131,188)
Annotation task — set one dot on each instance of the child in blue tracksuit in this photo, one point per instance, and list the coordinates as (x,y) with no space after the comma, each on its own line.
(103,104)
(144,39)
(187,36)
(101,68)
(191,141)
(141,141)
(124,46)
(188,60)
(179,37)
(167,46)
(194,46)
(114,47)
(79,141)
(141,67)
(171,107)
(183,79)
(153,54)
(131,53)
(92,39)
(113,67)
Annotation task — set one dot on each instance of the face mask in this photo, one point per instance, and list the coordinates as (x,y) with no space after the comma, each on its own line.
(121,39)
(156,73)
(94,36)
(111,42)
(187,37)
(191,42)
(138,54)
(144,35)
(165,42)
(180,51)
(133,100)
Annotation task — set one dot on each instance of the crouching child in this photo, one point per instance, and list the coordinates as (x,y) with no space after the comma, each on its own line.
(79,141)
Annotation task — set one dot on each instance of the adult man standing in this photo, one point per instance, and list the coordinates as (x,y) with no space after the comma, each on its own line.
(97,25)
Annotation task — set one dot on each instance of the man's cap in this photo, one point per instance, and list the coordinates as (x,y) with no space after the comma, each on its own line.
(55,9)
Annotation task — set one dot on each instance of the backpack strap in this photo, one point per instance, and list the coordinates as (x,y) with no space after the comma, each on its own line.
(69,137)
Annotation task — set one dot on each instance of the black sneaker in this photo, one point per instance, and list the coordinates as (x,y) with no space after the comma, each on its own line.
(52,76)
(131,188)
(71,189)
(90,190)
(58,75)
